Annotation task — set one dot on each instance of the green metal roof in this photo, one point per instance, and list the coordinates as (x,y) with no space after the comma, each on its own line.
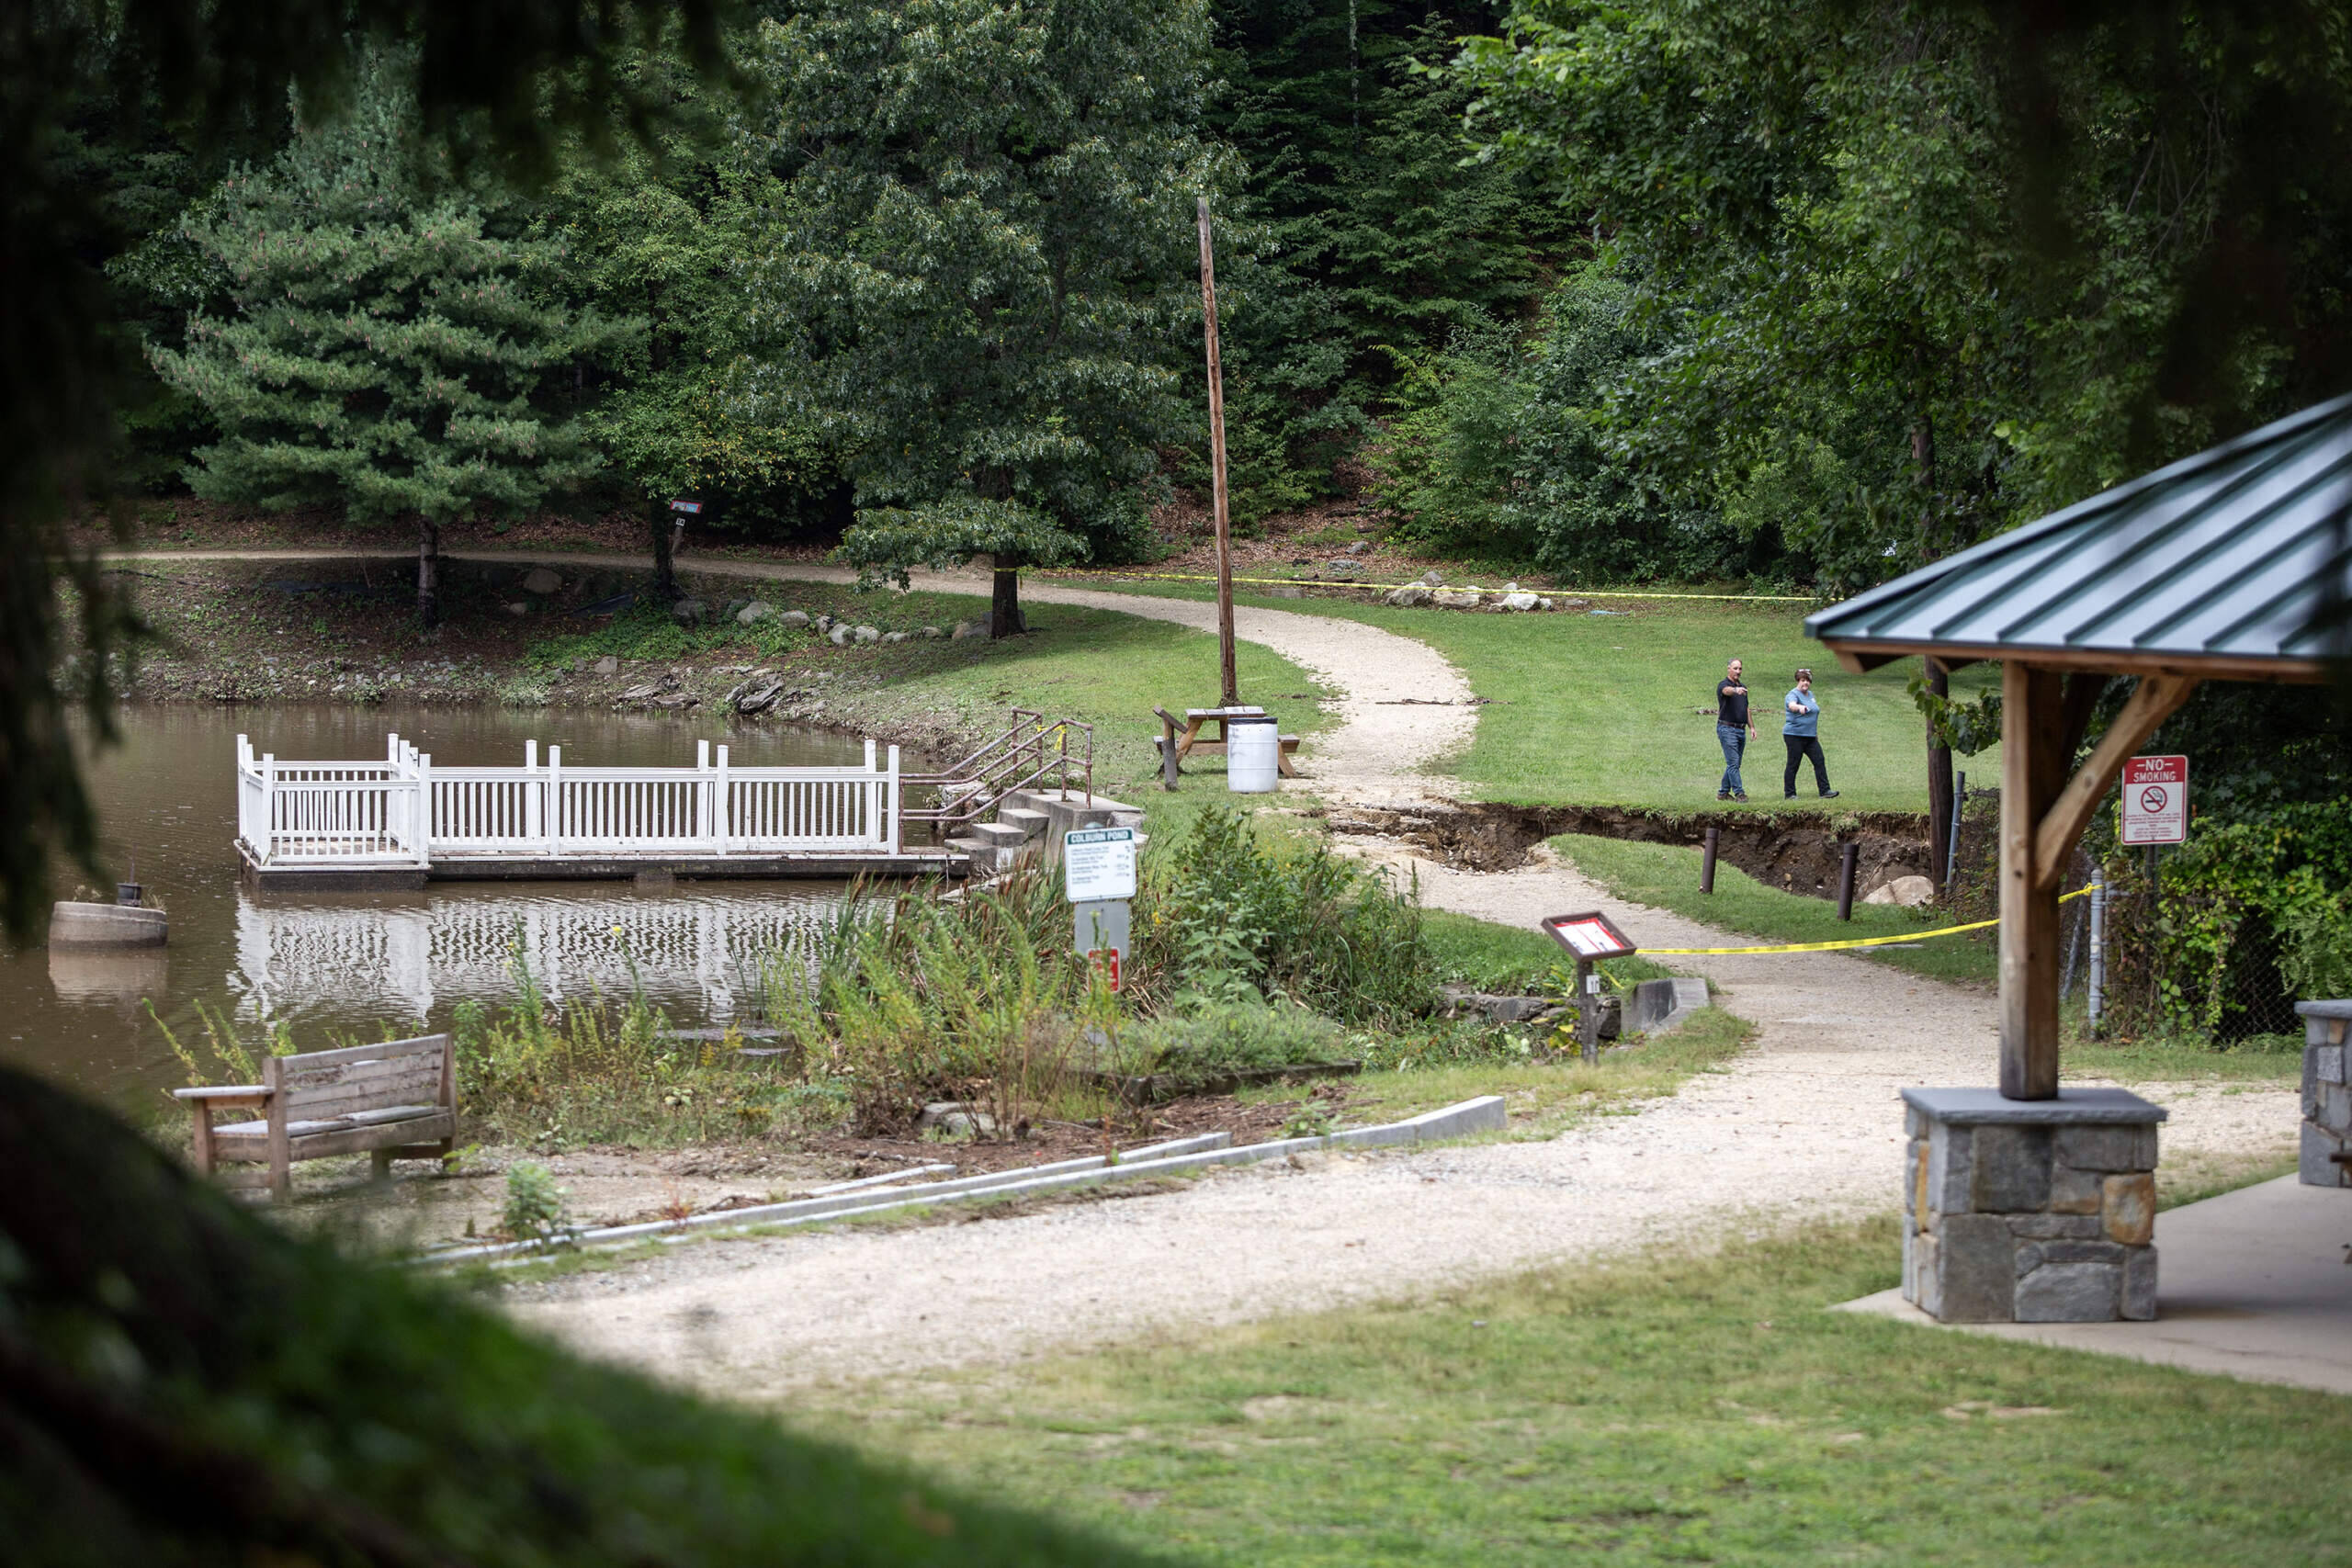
(2220,564)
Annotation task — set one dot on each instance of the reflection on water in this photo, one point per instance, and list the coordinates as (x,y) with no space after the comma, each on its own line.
(356,963)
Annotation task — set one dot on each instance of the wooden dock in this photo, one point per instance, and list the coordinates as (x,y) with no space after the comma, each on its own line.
(399,823)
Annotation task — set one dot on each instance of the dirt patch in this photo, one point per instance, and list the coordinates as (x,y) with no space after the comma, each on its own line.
(1798,851)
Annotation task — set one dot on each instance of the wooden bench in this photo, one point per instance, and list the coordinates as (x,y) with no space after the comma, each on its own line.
(1174,748)
(396,1101)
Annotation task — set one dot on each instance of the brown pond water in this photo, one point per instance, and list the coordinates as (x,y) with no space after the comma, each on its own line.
(354,963)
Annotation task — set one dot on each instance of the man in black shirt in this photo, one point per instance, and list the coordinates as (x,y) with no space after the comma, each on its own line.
(1734,728)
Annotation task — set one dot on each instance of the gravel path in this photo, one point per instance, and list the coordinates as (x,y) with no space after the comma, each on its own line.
(1805,1125)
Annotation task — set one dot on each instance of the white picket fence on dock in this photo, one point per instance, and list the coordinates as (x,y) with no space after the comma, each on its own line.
(404,811)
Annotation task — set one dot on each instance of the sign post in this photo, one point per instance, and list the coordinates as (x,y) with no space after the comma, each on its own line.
(1099,876)
(1589,938)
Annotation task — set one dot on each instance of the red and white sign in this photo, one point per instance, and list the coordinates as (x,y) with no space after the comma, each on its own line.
(2155,800)
(1593,935)
(1107,960)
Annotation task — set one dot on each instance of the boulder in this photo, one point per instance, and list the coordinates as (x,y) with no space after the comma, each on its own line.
(792,620)
(542,579)
(608,665)
(823,624)
(928,633)
(690,612)
(839,636)
(1456,598)
(866,634)
(1343,570)
(952,1120)
(1362,546)
(894,636)
(970,628)
(752,613)
(729,609)
(519,608)
(1519,601)
(1910,892)
(1411,596)
(1433,579)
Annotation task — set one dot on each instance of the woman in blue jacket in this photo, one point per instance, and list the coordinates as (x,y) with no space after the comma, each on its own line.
(1800,732)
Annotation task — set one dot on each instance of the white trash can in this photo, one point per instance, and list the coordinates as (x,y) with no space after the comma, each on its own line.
(1253,751)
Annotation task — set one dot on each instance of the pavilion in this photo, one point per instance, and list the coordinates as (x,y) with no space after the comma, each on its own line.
(2034,1203)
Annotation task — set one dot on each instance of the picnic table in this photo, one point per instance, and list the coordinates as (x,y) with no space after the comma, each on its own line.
(1175,747)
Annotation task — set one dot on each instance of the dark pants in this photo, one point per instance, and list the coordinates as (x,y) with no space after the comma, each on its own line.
(1801,746)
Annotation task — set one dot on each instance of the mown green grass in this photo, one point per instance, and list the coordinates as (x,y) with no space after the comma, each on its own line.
(1666,1409)
(1489,956)
(1666,876)
(1602,710)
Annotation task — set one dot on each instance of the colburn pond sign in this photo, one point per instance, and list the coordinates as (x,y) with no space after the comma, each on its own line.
(1098,874)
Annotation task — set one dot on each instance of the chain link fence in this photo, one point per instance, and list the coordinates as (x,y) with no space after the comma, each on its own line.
(2158,972)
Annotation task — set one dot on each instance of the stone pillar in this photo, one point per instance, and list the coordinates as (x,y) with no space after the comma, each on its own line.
(2030,1211)
(2327,1094)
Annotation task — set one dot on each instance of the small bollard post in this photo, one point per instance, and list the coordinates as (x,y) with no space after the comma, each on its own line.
(1845,881)
(1167,748)
(1707,862)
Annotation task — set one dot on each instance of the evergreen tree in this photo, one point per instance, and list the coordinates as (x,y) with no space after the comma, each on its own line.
(388,351)
(983,267)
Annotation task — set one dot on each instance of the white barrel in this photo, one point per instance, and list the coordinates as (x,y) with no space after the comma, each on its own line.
(1253,751)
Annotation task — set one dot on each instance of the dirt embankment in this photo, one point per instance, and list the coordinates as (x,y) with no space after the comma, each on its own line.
(1798,851)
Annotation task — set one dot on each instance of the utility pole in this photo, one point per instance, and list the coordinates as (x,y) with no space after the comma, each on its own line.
(1231,695)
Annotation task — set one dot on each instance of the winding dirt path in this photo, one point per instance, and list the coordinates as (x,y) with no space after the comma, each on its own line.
(1805,1124)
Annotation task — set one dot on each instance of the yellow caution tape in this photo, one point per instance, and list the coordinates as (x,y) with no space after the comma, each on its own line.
(1836,946)
(1392,587)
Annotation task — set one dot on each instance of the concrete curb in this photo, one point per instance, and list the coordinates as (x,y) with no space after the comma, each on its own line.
(1485,1114)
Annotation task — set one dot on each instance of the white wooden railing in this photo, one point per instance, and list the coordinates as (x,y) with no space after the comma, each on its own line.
(404,811)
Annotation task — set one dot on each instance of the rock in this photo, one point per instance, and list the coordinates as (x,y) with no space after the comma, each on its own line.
(894,636)
(839,636)
(690,612)
(676,701)
(729,609)
(1511,587)
(1568,605)
(2130,1211)
(639,694)
(793,620)
(1518,601)
(823,624)
(928,633)
(1512,1009)
(2071,1292)
(1411,596)
(542,579)
(1456,598)
(1343,570)
(608,665)
(1543,603)
(969,629)
(518,609)
(1285,592)
(1362,546)
(758,697)
(752,613)
(1433,579)
(866,634)
(1908,891)
(956,1120)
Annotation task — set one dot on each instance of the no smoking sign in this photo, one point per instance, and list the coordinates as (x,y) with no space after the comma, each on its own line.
(2155,800)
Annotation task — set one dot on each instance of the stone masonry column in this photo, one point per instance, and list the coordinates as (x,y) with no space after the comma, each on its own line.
(2030,1211)
(2327,1094)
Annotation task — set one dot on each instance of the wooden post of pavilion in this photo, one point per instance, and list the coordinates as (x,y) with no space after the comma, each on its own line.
(1230,694)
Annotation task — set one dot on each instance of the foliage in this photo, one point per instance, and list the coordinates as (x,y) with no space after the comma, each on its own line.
(1232,912)
(978,262)
(2318,960)
(385,348)
(536,1210)
(1198,1035)
(229,1057)
(192,1384)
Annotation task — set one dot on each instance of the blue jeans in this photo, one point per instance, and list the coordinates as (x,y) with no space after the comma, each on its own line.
(1734,744)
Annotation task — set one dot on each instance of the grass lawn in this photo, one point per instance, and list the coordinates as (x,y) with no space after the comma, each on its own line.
(1651,1411)
(1601,710)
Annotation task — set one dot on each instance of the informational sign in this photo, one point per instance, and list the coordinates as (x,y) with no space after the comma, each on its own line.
(689,507)
(2155,800)
(1590,936)
(1101,933)
(1099,863)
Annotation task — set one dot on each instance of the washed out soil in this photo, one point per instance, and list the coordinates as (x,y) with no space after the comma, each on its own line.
(1799,851)
(616,1184)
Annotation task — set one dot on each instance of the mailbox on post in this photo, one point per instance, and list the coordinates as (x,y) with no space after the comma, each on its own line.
(1589,938)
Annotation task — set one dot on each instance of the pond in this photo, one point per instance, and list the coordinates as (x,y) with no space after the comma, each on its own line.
(355,963)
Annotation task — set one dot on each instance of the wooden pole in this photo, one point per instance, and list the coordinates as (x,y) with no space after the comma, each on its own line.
(1231,695)
(2034,769)
(1707,863)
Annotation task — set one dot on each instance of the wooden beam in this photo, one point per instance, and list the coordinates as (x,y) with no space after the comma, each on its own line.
(2084,689)
(2157,699)
(2033,773)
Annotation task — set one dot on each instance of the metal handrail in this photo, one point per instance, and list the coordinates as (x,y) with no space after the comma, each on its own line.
(1016,758)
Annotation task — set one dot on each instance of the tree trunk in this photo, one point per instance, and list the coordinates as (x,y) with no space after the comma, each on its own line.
(1004,603)
(428,572)
(1939,785)
(665,574)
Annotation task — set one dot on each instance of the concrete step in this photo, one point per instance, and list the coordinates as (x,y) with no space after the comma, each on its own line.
(1005,835)
(986,856)
(1033,824)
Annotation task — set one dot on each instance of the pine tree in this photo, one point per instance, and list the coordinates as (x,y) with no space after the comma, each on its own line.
(387,353)
(983,271)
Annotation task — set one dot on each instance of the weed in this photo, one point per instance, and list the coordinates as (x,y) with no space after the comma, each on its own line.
(536,1208)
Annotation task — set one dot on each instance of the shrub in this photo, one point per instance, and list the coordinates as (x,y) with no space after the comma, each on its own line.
(536,1210)
(1201,1036)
